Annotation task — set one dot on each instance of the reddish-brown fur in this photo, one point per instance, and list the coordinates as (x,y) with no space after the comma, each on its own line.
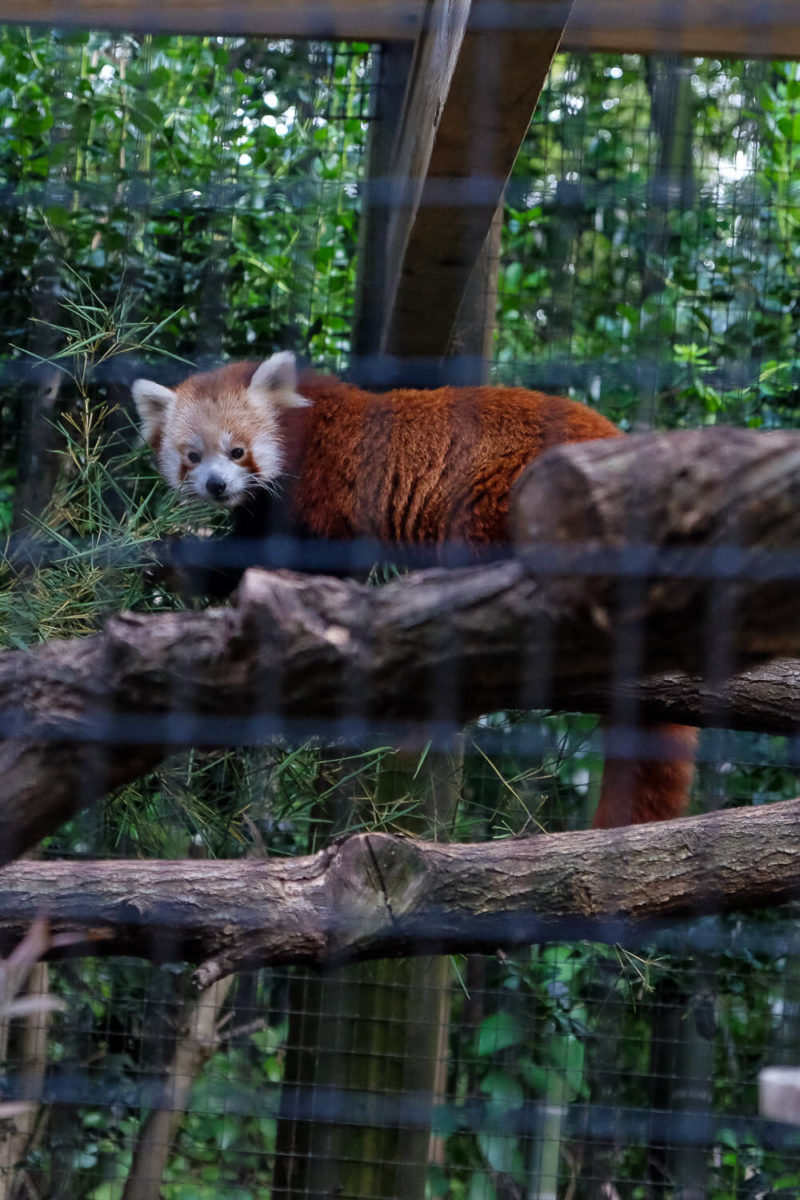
(653,789)
(421,466)
(414,467)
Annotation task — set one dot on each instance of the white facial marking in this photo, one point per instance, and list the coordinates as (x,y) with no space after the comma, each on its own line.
(170,460)
(224,443)
(223,471)
(154,404)
(269,457)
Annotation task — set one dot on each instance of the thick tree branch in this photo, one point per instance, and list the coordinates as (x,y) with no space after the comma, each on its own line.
(375,895)
(765,699)
(699,520)
(82,717)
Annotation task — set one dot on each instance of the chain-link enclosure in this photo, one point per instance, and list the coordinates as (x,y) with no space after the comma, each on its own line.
(172,201)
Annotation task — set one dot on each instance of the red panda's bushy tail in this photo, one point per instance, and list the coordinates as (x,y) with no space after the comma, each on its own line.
(654,789)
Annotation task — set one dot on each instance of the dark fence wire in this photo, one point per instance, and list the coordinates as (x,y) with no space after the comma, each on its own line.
(122,1017)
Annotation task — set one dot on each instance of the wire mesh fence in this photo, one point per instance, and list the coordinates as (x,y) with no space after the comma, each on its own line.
(648,266)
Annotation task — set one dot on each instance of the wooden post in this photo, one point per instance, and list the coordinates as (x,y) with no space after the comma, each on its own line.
(469,103)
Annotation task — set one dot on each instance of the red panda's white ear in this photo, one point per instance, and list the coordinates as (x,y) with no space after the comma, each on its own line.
(152,402)
(276,379)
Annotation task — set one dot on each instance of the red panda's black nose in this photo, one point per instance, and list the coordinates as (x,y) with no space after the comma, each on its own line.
(215,487)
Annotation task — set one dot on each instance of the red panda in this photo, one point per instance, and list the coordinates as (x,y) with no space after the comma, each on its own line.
(406,467)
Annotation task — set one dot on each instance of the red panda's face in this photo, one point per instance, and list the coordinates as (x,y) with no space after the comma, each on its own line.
(218,434)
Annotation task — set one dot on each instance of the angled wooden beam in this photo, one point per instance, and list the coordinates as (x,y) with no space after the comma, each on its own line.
(392,73)
(474,326)
(474,85)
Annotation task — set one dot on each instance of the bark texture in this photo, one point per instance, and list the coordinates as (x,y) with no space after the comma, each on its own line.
(764,699)
(375,895)
(687,541)
(690,564)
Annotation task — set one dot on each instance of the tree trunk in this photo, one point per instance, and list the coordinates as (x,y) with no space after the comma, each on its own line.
(365,1029)
(38,460)
(669,82)
(682,1075)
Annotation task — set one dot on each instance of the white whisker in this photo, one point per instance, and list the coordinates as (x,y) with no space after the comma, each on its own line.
(271,486)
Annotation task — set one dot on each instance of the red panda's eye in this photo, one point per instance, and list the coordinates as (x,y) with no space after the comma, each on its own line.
(194,456)
(237,452)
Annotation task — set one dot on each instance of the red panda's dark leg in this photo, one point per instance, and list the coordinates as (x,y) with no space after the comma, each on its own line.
(653,789)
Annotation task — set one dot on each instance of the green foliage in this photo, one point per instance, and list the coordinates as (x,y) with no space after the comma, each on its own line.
(628,238)
(543,780)
(106,504)
(8,478)
(213,176)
